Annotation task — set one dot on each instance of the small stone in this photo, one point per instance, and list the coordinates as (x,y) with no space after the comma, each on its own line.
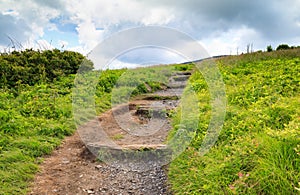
(65,161)
(90,191)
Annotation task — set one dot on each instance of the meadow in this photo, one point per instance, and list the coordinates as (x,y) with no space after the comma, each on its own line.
(257,151)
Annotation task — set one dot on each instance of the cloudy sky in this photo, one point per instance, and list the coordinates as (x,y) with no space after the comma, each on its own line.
(220,26)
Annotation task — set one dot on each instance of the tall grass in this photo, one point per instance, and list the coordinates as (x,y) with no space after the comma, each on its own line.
(257,151)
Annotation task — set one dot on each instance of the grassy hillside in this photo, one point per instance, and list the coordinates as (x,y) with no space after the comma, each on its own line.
(258,149)
(35,115)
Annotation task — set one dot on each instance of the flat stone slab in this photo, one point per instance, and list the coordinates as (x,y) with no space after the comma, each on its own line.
(176,85)
(183,73)
(145,146)
(127,147)
(158,96)
(151,111)
(181,77)
(135,153)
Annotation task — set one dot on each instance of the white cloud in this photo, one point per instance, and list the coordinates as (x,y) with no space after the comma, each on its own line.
(10,12)
(116,64)
(88,35)
(33,16)
(112,17)
(79,49)
(221,26)
(159,16)
(234,39)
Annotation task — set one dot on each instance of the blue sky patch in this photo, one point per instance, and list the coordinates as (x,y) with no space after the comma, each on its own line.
(64,25)
(53,37)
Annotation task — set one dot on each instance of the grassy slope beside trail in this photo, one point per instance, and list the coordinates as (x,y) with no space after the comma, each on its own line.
(258,150)
(34,119)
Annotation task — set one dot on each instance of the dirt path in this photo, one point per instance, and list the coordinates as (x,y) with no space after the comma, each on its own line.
(139,127)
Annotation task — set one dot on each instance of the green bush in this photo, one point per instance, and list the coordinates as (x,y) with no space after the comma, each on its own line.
(30,67)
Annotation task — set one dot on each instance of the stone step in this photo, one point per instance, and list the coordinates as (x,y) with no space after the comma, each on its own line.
(181,77)
(135,147)
(158,96)
(144,147)
(183,73)
(150,111)
(176,85)
(137,153)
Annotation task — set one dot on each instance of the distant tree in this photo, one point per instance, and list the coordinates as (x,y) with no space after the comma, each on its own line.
(283,47)
(269,48)
(294,47)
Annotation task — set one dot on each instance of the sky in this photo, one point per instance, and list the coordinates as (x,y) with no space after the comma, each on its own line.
(222,27)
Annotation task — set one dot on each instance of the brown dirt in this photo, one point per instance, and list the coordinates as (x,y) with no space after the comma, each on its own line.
(70,169)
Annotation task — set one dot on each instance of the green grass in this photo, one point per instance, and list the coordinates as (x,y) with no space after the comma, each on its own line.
(35,119)
(257,151)
(118,137)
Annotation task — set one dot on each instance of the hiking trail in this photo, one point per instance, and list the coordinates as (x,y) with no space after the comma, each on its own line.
(127,132)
